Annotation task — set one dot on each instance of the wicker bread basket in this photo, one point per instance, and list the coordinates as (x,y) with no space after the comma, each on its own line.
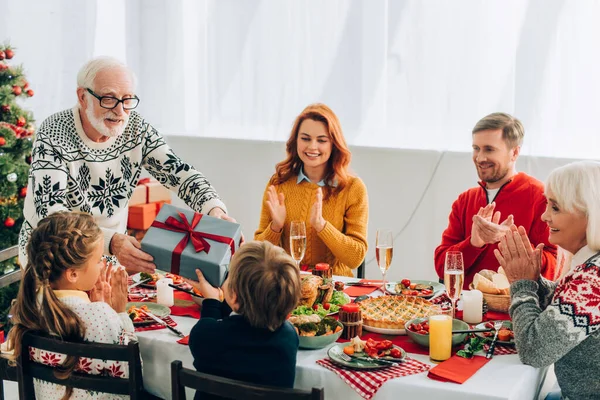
(495,302)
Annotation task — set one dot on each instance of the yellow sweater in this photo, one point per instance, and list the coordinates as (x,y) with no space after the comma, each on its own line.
(342,243)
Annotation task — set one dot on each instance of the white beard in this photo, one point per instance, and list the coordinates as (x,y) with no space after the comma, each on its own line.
(98,123)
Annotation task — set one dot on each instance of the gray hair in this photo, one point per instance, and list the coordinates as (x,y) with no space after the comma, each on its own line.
(576,187)
(87,73)
(512,129)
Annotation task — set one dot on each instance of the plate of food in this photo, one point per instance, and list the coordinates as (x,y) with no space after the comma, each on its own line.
(135,310)
(150,279)
(506,336)
(366,354)
(319,297)
(419,288)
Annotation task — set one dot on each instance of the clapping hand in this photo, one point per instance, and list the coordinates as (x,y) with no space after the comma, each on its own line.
(316,212)
(486,228)
(276,204)
(118,286)
(517,256)
(102,290)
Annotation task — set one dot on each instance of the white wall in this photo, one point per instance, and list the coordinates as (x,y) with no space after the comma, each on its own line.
(396,180)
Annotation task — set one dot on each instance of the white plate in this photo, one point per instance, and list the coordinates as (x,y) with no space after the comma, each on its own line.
(437,287)
(384,331)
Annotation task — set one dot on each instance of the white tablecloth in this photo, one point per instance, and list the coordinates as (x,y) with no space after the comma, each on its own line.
(502,378)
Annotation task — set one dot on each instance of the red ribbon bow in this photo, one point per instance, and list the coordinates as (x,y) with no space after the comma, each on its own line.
(198,238)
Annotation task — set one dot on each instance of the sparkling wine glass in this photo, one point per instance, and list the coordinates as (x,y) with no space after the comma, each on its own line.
(454,276)
(297,241)
(384,249)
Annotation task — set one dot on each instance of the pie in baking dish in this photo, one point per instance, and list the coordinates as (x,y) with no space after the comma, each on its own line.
(392,312)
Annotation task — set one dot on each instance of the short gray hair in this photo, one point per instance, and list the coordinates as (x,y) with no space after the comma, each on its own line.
(87,73)
(512,129)
(576,187)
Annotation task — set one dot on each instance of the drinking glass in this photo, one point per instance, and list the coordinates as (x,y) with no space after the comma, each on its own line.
(440,338)
(454,276)
(297,241)
(384,250)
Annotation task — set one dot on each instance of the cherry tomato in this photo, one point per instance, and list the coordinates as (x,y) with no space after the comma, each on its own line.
(327,306)
(315,307)
(396,353)
(405,282)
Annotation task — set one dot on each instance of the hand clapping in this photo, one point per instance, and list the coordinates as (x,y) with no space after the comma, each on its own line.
(518,258)
(316,213)
(276,204)
(486,228)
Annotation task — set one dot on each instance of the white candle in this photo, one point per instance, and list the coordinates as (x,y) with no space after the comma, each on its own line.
(164,292)
(472,306)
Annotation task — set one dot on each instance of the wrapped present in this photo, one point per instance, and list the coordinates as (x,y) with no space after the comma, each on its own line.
(149,191)
(141,216)
(182,241)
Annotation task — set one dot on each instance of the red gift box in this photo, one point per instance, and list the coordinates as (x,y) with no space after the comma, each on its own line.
(149,191)
(141,216)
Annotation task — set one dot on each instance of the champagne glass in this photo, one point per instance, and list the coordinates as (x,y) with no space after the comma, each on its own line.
(384,249)
(454,276)
(297,241)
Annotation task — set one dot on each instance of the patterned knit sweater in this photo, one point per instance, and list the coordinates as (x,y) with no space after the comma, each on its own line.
(342,243)
(71,172)
(103,325)
(558,322)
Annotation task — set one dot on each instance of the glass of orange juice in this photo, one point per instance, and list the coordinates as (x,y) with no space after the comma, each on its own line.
(440,337)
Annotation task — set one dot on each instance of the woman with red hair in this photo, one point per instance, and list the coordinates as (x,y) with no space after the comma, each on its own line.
(313,185)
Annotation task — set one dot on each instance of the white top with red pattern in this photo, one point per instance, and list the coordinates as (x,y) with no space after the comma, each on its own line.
(103,325)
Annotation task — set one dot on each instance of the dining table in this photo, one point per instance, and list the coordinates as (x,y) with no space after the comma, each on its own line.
(503,378)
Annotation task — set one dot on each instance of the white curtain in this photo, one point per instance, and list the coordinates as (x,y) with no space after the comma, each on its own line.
(399,73)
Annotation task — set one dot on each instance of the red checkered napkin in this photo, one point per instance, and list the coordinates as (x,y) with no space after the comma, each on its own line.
(156,325)
(501,350)
(367,382)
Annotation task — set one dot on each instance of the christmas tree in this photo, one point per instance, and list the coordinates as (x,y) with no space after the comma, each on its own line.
(16,139)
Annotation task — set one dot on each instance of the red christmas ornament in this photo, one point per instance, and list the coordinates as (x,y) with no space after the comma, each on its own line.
(26,85)
(30,93)
(23,191)
(9,53)
(3,66)
(5,108)
(17,90)
(2,55)
(2,141)
(21,121)
(9,222)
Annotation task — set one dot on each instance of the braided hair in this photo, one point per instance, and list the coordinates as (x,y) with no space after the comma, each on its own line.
(61,241)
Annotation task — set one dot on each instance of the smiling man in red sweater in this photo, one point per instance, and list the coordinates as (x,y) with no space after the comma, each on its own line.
(475,226)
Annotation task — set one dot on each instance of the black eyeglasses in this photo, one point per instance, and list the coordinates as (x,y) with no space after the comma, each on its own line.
(110,102)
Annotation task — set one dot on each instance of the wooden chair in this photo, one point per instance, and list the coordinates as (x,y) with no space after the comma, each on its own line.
(232,389)
(360,271)
(28,369)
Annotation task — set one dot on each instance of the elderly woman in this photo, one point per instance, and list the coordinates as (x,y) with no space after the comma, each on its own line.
(558,322)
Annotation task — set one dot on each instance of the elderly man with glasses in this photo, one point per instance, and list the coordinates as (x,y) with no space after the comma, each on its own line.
(89,158)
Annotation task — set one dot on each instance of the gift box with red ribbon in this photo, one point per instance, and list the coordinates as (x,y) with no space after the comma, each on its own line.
(182,240)
(149,190)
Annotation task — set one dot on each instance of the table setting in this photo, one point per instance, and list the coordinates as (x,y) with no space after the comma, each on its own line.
(397,345)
